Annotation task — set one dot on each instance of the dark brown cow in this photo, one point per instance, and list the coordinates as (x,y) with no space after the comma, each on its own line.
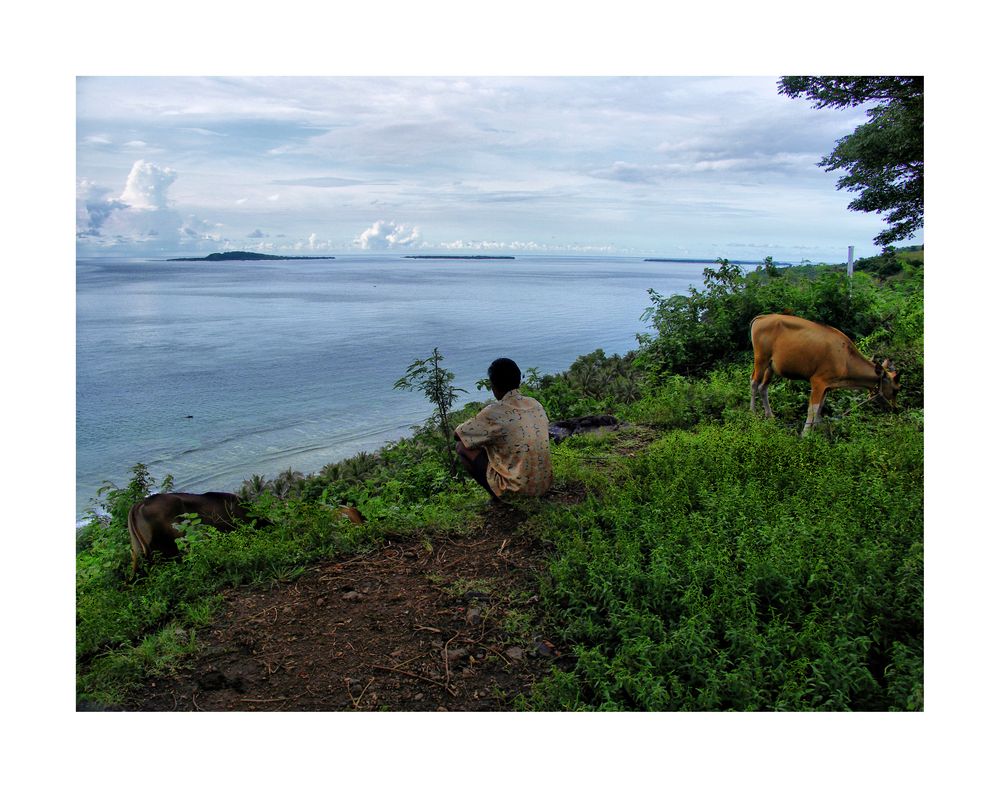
(152,522)
(800,349)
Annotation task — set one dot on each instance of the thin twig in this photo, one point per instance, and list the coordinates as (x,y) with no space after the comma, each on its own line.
(453,692)
(357,700)
(490,648)
(447,670)
(261,613)
(407,661)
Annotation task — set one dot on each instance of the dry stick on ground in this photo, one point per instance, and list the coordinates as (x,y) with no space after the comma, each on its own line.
(489,648)
(258,615)
(447,671)
(356,701)
(407,661)
(453,692)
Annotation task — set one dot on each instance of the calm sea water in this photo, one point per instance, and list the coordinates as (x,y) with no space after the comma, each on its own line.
(292,364)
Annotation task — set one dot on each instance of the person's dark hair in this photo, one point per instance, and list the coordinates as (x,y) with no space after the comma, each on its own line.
(504,374)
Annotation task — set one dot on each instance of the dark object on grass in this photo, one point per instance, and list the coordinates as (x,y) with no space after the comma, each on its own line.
(152,523)
(560,430)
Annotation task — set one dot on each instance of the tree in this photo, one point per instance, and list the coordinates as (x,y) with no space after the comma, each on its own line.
(883,158)
(428,376)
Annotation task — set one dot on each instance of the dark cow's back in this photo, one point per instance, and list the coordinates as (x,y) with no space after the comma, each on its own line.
(152,522)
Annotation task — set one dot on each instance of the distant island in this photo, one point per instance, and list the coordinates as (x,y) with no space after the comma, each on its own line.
(457,257)
(241,256)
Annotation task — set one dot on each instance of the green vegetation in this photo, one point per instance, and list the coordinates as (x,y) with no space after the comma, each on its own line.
(717,561)
(427,375)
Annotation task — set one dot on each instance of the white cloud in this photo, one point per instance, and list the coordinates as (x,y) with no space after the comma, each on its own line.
(387,235)
(93,207)
(146,186)
(141,218)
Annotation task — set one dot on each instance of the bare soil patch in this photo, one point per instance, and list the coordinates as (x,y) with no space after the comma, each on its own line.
(419,625)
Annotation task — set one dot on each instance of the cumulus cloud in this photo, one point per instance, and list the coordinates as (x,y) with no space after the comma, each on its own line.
(141,217)
(93,207)
(387,235)
(146,186)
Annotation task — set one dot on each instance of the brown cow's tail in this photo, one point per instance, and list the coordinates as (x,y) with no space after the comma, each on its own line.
(139,546)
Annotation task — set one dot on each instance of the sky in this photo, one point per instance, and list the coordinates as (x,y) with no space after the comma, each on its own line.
(699,167)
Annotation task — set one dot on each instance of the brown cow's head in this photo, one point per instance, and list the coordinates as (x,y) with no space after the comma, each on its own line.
(888,381)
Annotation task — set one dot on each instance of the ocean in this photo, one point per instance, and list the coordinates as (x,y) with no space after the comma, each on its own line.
(214,371)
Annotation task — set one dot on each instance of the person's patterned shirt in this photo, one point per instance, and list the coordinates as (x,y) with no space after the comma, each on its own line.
(515,434)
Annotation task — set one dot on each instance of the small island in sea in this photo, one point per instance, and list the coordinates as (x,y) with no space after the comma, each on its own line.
(243,256)
(458,257)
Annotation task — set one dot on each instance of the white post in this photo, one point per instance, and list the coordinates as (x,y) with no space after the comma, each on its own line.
(850,261)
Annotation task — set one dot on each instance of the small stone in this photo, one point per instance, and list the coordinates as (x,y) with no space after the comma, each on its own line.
(546,649)
(441,708)
(516,653)
(419,696)
(457,653)
(474,616)
(352,596)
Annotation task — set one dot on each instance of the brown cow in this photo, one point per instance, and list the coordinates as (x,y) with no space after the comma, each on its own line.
(351,514)
(799,349)
(152,522)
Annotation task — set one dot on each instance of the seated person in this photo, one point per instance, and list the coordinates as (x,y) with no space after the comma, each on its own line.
(505,447)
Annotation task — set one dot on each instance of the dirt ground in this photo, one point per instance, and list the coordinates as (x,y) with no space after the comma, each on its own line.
(442,625)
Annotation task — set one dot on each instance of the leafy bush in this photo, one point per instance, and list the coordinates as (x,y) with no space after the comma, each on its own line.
(741,567)
(708,326)
(594,383)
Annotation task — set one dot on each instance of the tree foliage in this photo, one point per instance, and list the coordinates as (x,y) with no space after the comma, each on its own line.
(883,158)
(427,375)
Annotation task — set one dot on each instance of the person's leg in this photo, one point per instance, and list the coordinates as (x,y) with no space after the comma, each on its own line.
(475,463)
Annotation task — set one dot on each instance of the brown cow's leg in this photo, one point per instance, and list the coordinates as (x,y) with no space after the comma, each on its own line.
(759,369)
(816,399)
(768,374)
